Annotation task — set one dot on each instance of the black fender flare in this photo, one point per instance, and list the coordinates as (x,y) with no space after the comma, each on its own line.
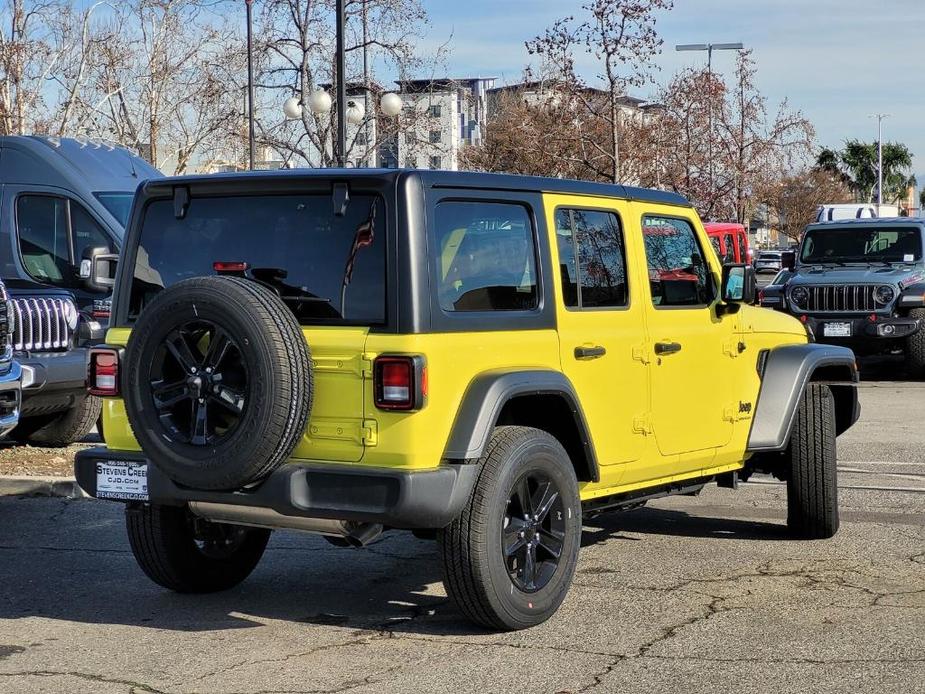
(787,371)
(490,391)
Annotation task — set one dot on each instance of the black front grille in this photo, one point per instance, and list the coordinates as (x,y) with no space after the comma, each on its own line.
(840,298)
(43,325)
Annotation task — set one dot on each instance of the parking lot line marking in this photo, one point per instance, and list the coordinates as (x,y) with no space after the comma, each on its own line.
(880,462)
(857,471)
(873,488)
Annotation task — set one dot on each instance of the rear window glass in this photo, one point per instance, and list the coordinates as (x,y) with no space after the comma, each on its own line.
(487,258)
(326,268)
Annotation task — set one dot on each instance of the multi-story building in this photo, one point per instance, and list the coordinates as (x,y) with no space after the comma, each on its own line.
(441,116)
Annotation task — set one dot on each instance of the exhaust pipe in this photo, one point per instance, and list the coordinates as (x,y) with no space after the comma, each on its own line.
(354,533)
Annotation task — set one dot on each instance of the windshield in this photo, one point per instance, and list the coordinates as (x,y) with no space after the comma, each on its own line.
(326,268)
(862,245)
(118,205)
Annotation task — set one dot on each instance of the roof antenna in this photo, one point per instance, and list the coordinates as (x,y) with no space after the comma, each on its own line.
(131,162)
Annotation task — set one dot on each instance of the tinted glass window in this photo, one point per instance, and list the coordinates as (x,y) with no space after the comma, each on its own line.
(678,272)
(486,257)
(118,204)
(717,246)
(591,258)
(862,245)
(42,224)
(327,268)
(730,256)
(87,232)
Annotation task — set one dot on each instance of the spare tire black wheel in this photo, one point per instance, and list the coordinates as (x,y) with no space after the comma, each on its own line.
(218,382)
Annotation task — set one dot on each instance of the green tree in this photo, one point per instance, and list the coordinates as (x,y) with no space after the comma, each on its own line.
(856,165)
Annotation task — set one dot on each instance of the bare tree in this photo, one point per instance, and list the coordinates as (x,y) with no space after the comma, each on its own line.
(794,199)
(297,56)
(164,83)
(725,169)
(621,35)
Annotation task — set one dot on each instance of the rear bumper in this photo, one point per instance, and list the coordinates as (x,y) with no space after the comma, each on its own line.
(395,498)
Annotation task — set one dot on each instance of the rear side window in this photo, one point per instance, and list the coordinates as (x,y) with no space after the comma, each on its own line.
(678,272)
(43,238)
(592,259)
(326,268)
(486,257)
(730,256)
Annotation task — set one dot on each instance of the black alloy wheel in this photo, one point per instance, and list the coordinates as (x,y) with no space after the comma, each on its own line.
(198,383)
(533,531)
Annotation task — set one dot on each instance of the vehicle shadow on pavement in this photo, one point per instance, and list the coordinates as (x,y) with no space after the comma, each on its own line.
(661,521)
(88,575)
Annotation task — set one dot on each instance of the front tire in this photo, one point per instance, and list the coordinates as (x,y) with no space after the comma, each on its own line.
(509,558)
(189,555)
(812,490)
(62,428)
(915,346)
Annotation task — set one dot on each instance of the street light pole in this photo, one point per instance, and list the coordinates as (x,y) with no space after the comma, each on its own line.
(250,86)
(879,117)
(341,62)
(709,48)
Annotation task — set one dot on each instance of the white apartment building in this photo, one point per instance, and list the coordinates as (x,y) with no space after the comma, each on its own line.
(441,116)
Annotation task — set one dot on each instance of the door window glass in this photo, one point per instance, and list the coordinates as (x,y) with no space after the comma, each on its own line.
(486,256)
(592,260)
(678,272)
(87,232)
(717,246)
(41,221)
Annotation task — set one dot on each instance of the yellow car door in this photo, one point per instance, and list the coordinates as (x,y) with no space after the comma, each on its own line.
(690,346)
(600,324)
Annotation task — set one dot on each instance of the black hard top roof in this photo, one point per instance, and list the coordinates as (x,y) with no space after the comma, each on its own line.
(429,178)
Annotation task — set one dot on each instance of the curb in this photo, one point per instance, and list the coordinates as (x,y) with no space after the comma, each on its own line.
(34,486)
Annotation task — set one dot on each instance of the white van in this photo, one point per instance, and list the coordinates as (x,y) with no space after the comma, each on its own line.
(854,210)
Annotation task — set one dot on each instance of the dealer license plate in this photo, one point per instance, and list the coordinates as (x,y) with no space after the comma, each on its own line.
(118,480)
(837,330)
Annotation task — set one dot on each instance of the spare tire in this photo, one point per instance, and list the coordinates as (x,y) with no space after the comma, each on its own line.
(218,382)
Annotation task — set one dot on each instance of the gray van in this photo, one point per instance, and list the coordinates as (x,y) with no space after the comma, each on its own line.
(63,207)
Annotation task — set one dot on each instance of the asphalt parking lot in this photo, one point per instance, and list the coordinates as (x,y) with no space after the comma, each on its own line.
(690,594)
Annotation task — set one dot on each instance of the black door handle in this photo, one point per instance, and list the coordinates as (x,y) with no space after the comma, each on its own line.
(590,352)
(667,347)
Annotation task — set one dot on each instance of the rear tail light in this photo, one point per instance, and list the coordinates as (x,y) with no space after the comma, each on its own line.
(399,382)
(103,375)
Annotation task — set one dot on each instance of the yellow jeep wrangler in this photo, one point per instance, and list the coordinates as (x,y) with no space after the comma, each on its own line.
(477,357)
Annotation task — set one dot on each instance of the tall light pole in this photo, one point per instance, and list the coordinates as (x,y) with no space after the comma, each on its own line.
(340,151)
(879,117)
(709,48)
(252,147)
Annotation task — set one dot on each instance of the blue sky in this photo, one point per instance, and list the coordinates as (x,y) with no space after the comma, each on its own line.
(836,60)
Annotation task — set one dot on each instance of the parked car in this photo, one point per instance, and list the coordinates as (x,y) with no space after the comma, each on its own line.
(730,241)
(768,261)
(861,283)
(772,294)
(479,357)
(63,205)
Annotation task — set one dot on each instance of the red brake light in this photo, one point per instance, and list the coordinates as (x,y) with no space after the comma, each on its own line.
(399,383)
(103,377)
(229,266)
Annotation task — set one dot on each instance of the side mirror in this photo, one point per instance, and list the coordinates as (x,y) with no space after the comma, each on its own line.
(788,260)
(98,269)
(739,284)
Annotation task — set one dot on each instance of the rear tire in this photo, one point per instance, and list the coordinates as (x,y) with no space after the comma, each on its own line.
(189,555)
(486,552)
(62,428)
(915,346)
(812,491)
